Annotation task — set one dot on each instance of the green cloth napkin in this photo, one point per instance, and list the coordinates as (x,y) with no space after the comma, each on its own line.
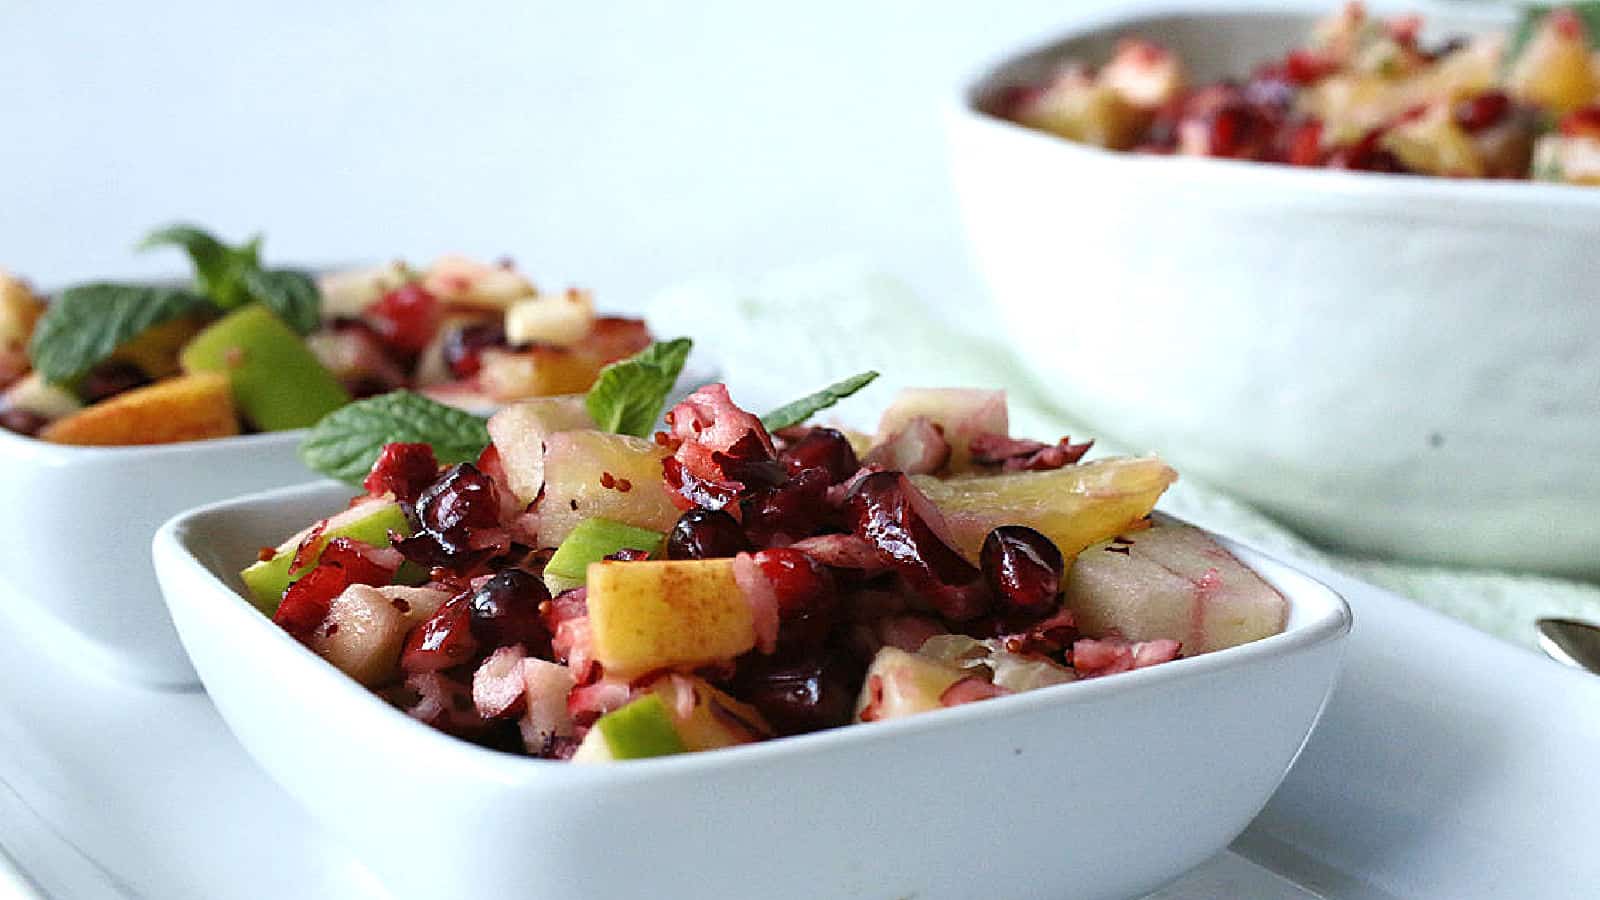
(795,330)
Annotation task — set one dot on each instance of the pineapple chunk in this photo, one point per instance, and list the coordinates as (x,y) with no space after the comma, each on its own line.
(519,431)
(187,408)
(903,684)
(538,371)
(462,281)
(559,320)
(963,414)
(1172,581)
(1554,70)
(577,467)
(682,614)
(1074,506)
(1435,144)
(1079,109)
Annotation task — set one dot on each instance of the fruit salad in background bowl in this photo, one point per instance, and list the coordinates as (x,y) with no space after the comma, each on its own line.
(1318,340)
(889,629)
(121,404)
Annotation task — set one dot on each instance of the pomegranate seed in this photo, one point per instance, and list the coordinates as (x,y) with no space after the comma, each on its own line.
(405,318)
(797,697)
(444,641)
(464,346)
(706,534)
(404,470)
(1023,568)
(505,611)
(822,448)
(110,379)
(1483,111)
(808,602)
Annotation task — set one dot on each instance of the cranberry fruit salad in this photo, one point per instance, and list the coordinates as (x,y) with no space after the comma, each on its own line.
(250,348)
(1363,93)
(565,581)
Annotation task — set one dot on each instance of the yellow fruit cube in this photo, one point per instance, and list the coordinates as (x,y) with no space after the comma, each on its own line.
(593,473)
(1554,69)
(679,614)
(187,408)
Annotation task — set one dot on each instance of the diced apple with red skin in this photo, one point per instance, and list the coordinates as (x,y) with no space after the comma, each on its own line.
(1074,506)
(902,684)
(671,614)
(592,473)
(519,431)
(962,414)
(366,627)
(1172,581)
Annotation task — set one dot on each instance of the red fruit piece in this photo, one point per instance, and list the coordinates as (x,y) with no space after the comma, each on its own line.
(443,641)
(404,470)
(1023,568)
(706,534)
(305,604)
(505,611)
(464,346)
(406,317)
(808,601)
(359,568)
(796,697)
(821,448)
(1483,111)
(1582,122)
(905,528)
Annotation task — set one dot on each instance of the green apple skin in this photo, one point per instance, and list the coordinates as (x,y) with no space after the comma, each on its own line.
(277,383)
(369,523)
(590,542)
(641,729)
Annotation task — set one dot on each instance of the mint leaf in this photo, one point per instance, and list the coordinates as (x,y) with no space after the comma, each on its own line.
(1534,13)
(290,294)
(86,324)
(628,396)
(220,270)
(800,410)
(347,441)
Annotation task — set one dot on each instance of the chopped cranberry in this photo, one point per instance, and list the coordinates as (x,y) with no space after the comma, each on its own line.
(1023,568)
(795,509)
(808,601)
(821,448)
(706,534)
(110,379)
(444,641)
(1483,111)
(1303,144)
(406,317)
(464,346)
(404,470)
(463,498)
(1582,122)
(797,697)
(1366,155)
(505,611)
(22,421)
(1305,67)
(904,527)
(358,567)
(305,604)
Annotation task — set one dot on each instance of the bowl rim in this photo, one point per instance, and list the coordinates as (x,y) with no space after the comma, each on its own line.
(175,547)
(964,106)
(25,448)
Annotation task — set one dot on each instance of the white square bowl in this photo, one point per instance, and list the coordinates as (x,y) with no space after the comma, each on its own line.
(1103,788)
(77,523)
(1401,366)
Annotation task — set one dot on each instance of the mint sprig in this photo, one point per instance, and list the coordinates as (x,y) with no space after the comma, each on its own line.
(628,396)
(87,323)
(347,441)
(292,295)
(798,411)
(233,276)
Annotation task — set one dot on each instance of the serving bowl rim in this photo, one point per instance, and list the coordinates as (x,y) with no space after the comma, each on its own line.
(177,541)
(965,107)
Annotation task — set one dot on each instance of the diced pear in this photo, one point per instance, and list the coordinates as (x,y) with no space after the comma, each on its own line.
(1554,70)
(1079,109)
(1172,581)
(38,396)
(559,320)
(366,628)
(278,383)
(368,522)
(1074,506)
(680,614)
(519,431)
(592,541)
(578,466)
(346,294)
(963,414)
(187,408)
(903,684)
(641,729)
(462,281)
(547,685)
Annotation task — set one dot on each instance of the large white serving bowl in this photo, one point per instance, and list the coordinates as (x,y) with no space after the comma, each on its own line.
(77,523)
(1395,365)
(1103,788)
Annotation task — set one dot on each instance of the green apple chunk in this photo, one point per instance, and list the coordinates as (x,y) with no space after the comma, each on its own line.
(278,384)
(1172,581)
(592,541)
(368,522)
(641,729)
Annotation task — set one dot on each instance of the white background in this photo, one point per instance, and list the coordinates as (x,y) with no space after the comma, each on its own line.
(622,146)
